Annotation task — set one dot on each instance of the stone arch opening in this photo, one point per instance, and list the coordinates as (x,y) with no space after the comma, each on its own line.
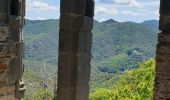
(76,23)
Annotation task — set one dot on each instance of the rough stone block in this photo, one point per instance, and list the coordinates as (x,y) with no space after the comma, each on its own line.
(164,7)
(15,34)
(89,8)
(67,79)
(15,21)
(2,90)
(10,90)
(8,97)
(74,22)
(68,58)
(7,49)
(87,23)
(83,74)
(87,73)
(20,7)
(3,49)
(82,92)
(164,22)
(73,7)
(84,58)
(164,37)
(4,6)
(89,38)
(163,48)
(3,12)
(3,67)
(4,33)
(20,54)
(68,40)
(80,75)
(13,73)
(162,83)
(66,94)
(16,64)
(75,41)
(3,19)
(3,76)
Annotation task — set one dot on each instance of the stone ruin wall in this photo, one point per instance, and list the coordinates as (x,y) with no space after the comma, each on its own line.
(12,14)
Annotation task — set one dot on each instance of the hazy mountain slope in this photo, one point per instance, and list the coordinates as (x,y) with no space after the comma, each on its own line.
(41,39)
(151,23)
(135,41)
(116,47)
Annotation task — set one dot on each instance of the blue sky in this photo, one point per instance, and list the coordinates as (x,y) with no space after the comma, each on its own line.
(120,10)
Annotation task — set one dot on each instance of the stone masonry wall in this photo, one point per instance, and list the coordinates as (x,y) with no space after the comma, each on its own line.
(11,49)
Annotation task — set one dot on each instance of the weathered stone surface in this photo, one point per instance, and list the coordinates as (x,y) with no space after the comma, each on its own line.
(73,7)
(76,22)
(8,97)
(164,22)
(11,49)
(89,8)
(89,37)
(164,15)
(164,37)
(83,95)
(75,39)
(3,67)
(162,80)
(4,33)
(66,94)
(3,12)
(164,7)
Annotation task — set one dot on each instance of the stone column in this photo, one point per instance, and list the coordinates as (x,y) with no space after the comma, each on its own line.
(11,49)
(75,39)
(162,80)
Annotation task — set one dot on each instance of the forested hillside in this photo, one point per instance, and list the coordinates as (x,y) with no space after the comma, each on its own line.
(136,84)
(117,47)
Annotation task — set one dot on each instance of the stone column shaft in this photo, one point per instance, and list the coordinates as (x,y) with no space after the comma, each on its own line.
(75,39)
(162,79)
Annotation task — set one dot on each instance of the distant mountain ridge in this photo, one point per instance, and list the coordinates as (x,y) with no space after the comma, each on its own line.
(110,39)
(151,22)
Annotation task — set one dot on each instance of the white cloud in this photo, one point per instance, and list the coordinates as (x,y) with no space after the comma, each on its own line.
(156,12)
(130,13)
(129,3)
(152,3)
(105,10)
(39,6)
(40,18)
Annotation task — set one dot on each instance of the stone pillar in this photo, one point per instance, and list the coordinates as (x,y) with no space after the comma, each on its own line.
(11,49)
(75,39)
(162,80)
